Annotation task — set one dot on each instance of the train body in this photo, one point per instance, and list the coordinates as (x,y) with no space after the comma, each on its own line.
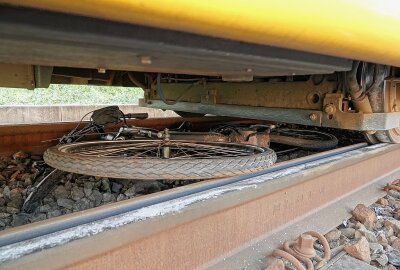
(316,63)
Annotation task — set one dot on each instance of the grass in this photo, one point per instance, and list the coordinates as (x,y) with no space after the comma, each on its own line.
(70,94)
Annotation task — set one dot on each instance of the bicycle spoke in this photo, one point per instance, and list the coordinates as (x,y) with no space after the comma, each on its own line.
(113,149)
(153,149)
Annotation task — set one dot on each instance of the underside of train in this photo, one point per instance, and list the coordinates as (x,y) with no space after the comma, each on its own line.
(196,74)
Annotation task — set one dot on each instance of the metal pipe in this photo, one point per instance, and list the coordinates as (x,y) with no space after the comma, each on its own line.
(376,91)
(358,96)
(135,81)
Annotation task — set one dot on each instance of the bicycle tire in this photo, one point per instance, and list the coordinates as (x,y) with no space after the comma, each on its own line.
(158,169)
(326,141)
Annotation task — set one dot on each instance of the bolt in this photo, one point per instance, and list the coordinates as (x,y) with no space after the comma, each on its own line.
(160,134)
(146,60)
(330,109)
(313,117)
(101,70)
(249,70)
(305,246)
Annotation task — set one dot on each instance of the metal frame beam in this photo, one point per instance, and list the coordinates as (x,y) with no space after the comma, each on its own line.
(351,121)
(288,95)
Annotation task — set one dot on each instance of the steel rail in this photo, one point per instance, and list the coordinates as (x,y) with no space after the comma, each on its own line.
(323,220)
(45,227)
(192,231)
(345,28)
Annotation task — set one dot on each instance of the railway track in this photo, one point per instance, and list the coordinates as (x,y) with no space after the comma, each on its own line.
(229,192)
(226,223)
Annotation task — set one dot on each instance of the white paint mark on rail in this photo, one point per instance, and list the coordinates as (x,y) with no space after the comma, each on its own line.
(19,249)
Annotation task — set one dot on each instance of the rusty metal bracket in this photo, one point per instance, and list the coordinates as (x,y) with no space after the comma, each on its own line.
(335,100)
(210,97)
(392,95)
(336,118)
(362,121)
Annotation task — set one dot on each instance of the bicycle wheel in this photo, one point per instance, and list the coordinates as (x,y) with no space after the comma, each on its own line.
(306,139)
(144,159)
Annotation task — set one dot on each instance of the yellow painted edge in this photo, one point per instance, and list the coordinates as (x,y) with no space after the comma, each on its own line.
(357,29)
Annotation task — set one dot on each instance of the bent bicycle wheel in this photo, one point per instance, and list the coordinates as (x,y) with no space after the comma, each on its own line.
(159,160)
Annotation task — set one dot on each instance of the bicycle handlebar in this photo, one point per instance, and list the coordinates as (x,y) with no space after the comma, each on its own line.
(136,115)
